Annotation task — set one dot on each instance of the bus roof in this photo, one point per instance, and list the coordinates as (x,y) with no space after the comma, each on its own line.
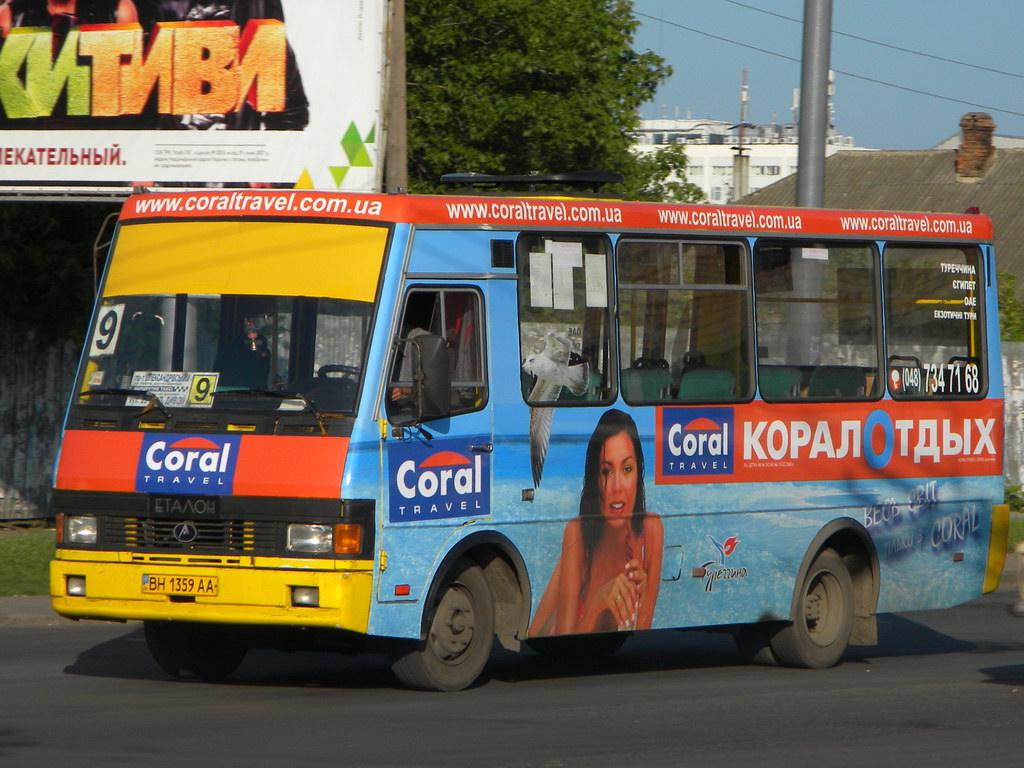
(551,213)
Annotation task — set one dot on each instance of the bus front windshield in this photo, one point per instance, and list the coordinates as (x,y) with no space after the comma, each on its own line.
(196,351)
(234,314)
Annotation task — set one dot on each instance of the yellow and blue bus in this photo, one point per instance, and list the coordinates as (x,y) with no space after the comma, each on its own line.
(414,425)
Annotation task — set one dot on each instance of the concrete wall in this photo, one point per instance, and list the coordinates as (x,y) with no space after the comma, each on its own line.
(1013,429)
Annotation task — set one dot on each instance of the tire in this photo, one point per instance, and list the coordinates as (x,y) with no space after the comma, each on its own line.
(818,636)
(208,652)
(577,647)
(458,642)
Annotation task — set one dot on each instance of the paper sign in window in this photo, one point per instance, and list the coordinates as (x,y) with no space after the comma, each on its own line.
(540,280)
(565,259)
(597,280)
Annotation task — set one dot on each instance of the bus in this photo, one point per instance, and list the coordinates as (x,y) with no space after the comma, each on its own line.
(420,425)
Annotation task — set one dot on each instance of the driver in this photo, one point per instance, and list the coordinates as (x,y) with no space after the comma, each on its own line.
(245,362)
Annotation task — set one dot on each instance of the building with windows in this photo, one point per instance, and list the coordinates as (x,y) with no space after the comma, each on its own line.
(712,147)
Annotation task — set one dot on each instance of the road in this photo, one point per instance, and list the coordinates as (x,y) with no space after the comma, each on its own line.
(941,688)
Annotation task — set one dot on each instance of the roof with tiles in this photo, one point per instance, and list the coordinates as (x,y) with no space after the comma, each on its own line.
(927,180)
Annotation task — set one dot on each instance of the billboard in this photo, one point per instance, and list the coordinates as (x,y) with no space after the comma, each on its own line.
(189,93)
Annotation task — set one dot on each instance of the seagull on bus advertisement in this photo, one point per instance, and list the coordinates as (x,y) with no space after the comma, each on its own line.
(554,367)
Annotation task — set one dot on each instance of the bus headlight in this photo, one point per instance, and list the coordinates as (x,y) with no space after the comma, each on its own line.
(310,539)
(81,529)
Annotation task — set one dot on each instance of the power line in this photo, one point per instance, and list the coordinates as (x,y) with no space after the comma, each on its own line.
(837,71)
(881,44)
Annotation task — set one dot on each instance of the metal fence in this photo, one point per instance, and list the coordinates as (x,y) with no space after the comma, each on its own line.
(35,383)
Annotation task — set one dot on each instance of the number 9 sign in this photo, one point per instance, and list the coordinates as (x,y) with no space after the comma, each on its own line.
(202,389)
(108,326)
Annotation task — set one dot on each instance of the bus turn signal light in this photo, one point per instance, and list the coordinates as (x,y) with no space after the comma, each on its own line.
(348,539)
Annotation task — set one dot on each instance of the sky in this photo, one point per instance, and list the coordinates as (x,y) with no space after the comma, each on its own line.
(905,70)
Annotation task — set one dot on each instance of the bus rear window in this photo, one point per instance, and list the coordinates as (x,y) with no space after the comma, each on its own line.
(935,322)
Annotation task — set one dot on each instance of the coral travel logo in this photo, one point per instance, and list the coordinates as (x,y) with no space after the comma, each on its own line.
(441,479)
(694,442)
(187,464)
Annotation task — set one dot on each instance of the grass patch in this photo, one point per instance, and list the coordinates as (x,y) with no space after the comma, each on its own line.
(1016,529)
(25,556)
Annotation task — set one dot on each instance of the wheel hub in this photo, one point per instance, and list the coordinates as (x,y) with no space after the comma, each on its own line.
(454,626)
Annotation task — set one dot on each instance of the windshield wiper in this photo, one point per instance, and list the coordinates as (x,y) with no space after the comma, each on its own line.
(154,401)
(282,395)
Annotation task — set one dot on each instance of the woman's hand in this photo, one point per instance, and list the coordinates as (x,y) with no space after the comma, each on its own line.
(621,595)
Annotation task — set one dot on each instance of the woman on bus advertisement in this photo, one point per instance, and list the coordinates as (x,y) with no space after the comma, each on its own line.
(608,573)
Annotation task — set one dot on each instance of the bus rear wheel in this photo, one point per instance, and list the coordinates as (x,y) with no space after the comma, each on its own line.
(820,632)
(209,652)
(458,642)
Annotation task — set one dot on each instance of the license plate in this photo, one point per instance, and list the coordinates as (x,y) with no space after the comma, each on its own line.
(163,584)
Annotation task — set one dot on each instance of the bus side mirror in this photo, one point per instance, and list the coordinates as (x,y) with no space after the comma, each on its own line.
(429,397)
(432,386)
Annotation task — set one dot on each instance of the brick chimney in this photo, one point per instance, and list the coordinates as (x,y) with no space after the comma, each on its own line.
(975,154)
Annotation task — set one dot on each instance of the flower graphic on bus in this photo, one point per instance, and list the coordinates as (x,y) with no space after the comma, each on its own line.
(725,548)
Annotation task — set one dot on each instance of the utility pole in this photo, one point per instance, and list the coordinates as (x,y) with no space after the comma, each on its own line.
(741,163)
(810,182)
(396,156)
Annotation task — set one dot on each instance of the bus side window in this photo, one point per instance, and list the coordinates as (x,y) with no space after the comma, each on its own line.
(564,320)
(683,321)
(456,315)
(817,320)
(935,322)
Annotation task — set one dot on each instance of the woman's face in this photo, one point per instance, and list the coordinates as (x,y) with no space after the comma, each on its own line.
(616,478)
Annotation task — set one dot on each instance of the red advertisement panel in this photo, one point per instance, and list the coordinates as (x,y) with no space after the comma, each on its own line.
(242,465)
(762,442)
(556,214)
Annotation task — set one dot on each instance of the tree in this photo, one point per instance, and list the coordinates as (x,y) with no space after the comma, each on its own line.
(1011,309)
(46,270)
(523,86)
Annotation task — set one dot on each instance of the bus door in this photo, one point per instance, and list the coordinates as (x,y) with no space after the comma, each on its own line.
(437,473)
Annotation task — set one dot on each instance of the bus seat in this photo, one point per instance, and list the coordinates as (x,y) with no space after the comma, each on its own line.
(327,393)
(708,383)
(778,380)
(644,384)
(837,381)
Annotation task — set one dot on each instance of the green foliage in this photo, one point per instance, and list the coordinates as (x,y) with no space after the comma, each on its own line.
(46,271)
(25,561)
(1011,309)
(524,86)
(663,175)
(1014,496)
(1016,531)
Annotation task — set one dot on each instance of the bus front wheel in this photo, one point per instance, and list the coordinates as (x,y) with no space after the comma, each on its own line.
(820,631)
(458,642)
(209,652)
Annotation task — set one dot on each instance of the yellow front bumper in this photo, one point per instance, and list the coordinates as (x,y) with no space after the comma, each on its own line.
(259,592)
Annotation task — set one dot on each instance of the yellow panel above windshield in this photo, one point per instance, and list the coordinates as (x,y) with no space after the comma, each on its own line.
(244,257)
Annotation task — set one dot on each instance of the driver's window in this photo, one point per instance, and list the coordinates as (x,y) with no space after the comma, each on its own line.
(455,315)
